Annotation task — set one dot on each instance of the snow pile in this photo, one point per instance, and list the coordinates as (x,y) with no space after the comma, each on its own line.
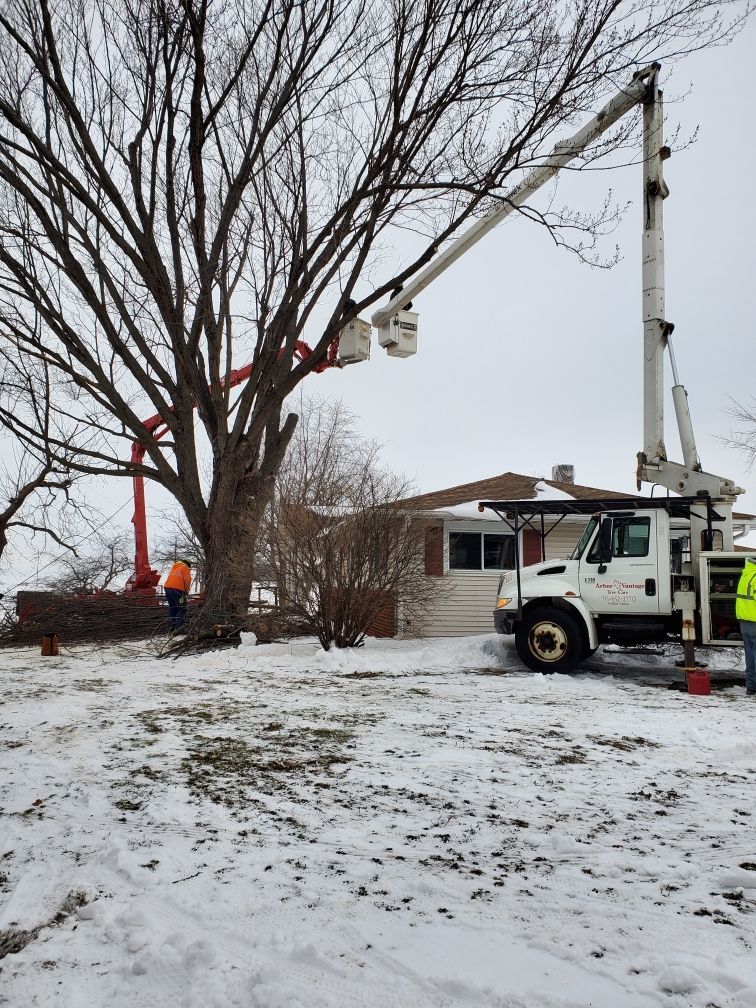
(469,510)
(546,492)
(410,824)
(379,657)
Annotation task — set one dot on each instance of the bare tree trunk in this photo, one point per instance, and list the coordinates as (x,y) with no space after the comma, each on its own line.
(230,550)
(231,530)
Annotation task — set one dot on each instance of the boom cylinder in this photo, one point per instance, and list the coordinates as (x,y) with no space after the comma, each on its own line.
(685,427)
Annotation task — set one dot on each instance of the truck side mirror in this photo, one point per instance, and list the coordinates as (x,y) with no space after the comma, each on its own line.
(605,544)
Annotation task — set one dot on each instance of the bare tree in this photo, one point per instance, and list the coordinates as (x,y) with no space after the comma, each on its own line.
(35,484)
(99,567)
(29,498)
(744,438)
(186,185)
(343,553)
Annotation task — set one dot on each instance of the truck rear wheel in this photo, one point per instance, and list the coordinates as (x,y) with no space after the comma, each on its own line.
(549,640)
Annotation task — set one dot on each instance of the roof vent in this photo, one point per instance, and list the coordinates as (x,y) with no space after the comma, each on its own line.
(563,473)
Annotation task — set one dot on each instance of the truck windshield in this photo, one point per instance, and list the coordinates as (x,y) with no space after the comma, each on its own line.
(585,538)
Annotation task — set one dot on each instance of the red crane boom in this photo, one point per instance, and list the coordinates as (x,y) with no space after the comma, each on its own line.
(145,578)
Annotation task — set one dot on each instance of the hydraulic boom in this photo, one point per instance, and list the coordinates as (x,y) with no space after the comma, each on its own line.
(685,478)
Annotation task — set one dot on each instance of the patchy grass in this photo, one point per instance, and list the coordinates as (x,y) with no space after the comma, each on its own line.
(576,755)
(126,805)
(14,940)
(151,773)
(149,722)
(625,743)
(235,754)
(188,717)
(226,768)
(187,687)
(92,685)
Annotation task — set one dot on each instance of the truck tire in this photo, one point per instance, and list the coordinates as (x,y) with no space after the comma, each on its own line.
(550,640)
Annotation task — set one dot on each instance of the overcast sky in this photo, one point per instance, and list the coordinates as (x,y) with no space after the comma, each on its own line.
(527,357)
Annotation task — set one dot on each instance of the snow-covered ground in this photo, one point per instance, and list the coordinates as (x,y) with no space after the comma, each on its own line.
(404,826)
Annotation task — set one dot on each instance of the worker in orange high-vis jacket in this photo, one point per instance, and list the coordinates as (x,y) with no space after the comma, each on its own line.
(176,587)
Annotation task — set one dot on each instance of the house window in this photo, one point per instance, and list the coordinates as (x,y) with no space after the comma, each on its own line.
(480,551)
(464,550)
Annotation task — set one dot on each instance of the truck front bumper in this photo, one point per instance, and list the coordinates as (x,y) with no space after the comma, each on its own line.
(503,621)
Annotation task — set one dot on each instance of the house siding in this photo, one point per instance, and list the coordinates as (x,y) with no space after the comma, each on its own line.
(562,541)
(468,606)
(469,596)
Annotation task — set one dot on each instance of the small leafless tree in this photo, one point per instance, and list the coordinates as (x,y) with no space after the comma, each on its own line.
(345,555)
(744,437)
(187,186)
(99,566)
(178,541)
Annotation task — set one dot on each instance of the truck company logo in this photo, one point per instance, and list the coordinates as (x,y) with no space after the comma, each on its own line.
(619,593)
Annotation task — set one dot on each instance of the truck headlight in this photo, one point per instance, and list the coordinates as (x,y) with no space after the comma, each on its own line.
(500,603)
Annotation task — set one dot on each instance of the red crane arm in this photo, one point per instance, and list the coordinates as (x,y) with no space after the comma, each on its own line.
(145,579)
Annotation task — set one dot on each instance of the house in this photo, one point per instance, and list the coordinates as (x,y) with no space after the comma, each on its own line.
(469,549)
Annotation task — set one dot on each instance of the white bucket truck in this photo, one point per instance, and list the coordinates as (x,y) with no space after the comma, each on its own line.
(629,580)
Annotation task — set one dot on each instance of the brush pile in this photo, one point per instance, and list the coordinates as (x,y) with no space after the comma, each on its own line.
(88,619)
(108,619)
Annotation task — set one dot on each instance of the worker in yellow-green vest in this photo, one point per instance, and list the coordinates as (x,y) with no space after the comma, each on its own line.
(745,610)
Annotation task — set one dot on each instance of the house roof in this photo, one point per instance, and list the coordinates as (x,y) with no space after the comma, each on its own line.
(514,486)
(507,486)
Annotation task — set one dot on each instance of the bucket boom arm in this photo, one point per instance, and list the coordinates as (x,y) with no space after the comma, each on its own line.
(564,152)
(688,478)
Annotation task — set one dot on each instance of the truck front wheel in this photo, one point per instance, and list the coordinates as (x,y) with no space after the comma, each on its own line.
(549,640)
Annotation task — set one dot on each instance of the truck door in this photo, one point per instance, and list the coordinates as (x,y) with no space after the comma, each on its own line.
(619,571)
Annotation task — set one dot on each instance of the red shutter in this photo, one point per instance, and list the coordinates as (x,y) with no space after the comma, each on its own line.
(383,621)
(434,551)
(531,547)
